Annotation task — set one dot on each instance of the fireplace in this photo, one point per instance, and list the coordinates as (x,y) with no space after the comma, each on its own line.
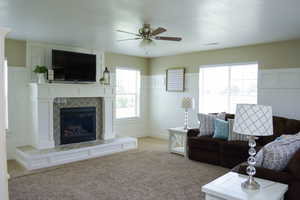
(77,124)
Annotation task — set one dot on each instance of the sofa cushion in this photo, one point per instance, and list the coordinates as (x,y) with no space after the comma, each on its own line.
(233,146)
(211,157)
(205,143)
(233,153)
(221,129)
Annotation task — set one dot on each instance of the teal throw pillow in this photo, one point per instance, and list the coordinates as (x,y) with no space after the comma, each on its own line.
(221,129)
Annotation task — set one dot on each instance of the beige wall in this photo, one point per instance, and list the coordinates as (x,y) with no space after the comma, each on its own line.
(15,52)
(113,60)
(269,56)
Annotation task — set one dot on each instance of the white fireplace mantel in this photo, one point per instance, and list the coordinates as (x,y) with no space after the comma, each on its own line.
(42,98)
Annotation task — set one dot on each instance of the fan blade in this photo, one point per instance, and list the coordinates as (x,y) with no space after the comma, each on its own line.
(169,38)
(129,39)
(128,32)
(158,31)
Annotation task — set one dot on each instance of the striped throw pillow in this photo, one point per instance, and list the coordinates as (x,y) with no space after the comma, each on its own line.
(207,123)
(233,135)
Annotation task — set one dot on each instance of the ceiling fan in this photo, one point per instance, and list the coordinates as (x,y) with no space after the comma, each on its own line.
(148,34)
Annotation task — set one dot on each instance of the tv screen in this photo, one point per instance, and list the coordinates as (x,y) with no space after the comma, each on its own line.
(71,66)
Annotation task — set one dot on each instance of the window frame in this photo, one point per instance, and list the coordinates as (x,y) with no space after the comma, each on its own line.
(137,94)
(5,73)
(230,65)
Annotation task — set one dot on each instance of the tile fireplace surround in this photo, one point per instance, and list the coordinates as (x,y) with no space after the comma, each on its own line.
(60,103)
(46,100)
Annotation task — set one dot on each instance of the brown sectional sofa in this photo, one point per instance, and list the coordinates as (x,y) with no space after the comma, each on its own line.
(231,154)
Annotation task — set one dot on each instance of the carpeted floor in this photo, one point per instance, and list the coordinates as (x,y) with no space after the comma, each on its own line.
(149,173)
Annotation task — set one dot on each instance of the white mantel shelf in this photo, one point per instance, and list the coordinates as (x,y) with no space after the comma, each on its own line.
(53,90)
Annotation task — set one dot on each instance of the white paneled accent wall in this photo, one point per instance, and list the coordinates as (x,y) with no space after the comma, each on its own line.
(279,88)
(165,107)
(18,109)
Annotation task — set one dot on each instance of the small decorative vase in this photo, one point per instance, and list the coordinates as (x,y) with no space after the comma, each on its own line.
(41,78)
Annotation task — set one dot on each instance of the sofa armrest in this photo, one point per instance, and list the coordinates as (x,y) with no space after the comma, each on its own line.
(193,132)
(294,165)
(281,176)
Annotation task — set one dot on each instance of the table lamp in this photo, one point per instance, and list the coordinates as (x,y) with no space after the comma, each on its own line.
(253,120)
(187,103)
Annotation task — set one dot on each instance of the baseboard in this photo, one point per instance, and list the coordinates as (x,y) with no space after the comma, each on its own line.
(159,135)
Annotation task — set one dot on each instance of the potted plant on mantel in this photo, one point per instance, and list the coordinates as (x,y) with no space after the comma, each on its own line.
(41,71)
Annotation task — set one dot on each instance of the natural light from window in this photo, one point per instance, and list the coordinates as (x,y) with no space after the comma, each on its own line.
(127,97)
(222,87)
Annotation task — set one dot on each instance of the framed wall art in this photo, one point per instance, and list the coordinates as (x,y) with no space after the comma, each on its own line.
(175,79)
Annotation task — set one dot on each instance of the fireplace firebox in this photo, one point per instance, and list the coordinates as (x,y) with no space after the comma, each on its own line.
(77,124)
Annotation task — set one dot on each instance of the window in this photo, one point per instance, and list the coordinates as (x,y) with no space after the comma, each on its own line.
(6,93)
(127,97)
(222,87)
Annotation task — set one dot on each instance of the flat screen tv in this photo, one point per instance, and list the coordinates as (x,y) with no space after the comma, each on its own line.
(75,67)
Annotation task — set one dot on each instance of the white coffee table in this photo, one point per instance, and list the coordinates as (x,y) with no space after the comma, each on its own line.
(177,140)
(228,187)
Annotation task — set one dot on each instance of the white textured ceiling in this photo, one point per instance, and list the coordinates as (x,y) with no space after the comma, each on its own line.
(92,23)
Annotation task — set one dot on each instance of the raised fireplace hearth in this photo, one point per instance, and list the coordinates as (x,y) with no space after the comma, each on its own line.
(77,125)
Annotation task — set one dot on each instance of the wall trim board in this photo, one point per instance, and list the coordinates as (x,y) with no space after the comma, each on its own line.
(269,56)
(275,88)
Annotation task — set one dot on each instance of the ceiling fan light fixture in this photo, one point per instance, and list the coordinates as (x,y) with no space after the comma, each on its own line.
(146,43)
(148,35)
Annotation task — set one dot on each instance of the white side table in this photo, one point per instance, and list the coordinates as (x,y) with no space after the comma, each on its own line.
(177,140)
(228,187)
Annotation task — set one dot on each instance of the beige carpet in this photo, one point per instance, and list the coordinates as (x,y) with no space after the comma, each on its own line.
(149,173)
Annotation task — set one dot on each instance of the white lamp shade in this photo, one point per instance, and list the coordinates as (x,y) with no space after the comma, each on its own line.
(252,119)
(187,102)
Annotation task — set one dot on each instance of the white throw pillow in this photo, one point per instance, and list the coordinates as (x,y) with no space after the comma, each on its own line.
(207,123)
(233,135)
(277,154)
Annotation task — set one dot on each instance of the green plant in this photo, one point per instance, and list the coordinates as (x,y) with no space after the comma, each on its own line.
(40,69)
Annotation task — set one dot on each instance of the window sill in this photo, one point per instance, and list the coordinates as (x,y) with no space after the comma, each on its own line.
(128,119)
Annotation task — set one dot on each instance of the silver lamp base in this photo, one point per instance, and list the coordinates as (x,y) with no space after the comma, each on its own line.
(250,184)
(185,127)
